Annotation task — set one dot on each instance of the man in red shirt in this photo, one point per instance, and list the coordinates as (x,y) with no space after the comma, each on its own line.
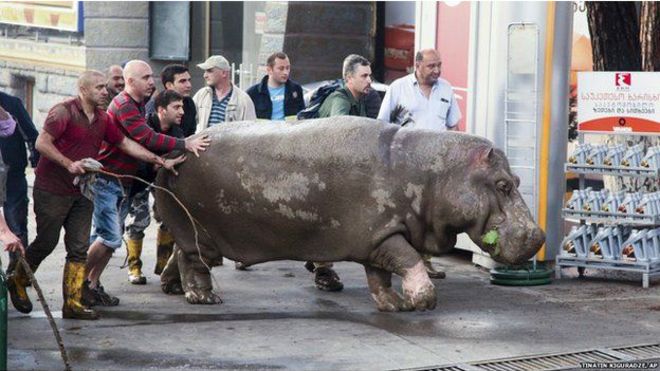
(74,130)
(126,111)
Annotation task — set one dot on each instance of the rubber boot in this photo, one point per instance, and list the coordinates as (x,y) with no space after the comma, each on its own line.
(164,247)
(134,263)
(326,279)
(72,292)
(17,281)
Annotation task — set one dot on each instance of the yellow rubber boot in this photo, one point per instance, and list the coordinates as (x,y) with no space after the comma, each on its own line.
(164,247)
(72,291)
(16,284)
(134,263)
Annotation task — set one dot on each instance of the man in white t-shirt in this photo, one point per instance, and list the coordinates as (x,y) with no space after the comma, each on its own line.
(423,95)
(422,100)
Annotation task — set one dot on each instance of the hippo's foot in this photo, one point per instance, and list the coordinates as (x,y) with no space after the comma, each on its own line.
(202,297)
(388,300)
(172,288)
(380,285)
(418,290)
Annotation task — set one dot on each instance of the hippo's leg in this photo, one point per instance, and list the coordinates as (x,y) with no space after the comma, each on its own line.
(396,255)
(380,285)
(170,278)
(196,280)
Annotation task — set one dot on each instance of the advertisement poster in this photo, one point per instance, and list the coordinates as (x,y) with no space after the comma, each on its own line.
(619,101)
(58,15)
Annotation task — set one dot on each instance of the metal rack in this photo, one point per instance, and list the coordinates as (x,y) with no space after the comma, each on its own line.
(647,269)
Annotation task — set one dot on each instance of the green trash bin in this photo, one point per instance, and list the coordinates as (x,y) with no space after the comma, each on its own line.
(3,319)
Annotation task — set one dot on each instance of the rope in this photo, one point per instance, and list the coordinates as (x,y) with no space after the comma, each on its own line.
(49,315)
(92,167)
(193,222)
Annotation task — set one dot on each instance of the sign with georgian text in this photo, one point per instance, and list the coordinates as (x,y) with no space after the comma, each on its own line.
(619,101)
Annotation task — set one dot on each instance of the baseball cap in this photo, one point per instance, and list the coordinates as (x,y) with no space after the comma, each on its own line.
(215,61)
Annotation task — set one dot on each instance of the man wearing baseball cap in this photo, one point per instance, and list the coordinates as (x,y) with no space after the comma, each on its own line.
(220,101)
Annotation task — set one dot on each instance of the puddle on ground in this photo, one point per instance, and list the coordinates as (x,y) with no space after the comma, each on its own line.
(397,323)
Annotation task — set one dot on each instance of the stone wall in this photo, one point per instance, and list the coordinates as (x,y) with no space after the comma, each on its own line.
(116,32)
(51,85)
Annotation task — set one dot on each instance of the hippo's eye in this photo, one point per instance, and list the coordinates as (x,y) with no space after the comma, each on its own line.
(504,187)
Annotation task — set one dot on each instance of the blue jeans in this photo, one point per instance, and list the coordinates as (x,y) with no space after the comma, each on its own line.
(111,206)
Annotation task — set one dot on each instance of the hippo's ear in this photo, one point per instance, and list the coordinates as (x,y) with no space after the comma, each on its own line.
(482,155)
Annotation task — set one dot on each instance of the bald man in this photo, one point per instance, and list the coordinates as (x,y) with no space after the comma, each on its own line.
(114,85)
(73,130)
(110,206)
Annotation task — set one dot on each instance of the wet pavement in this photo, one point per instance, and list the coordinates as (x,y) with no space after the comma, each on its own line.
(274,318)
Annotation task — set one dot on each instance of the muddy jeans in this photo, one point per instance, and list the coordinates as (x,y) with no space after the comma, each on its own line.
(53,212)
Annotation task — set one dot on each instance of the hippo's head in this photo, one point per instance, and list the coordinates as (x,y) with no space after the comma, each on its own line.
(490,209)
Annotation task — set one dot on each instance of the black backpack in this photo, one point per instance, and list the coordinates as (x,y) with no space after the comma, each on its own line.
(318,97)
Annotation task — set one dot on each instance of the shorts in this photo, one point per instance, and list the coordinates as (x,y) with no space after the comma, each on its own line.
(110,209)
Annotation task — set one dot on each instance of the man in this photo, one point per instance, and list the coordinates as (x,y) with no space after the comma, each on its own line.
(429,102)
(276,97)
(15,157)
(73,130)
(110,207)
(7,238)
(221,101)
(428,98)
(175,78)
(114,85)
(347,100)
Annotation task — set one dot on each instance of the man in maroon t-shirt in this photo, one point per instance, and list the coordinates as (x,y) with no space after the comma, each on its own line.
(74,130)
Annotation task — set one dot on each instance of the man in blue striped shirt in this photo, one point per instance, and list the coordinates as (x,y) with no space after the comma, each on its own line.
(221,100)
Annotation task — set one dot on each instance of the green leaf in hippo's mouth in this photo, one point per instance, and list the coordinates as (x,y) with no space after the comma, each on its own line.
(491,238)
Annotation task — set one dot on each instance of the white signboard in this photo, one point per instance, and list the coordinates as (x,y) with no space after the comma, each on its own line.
(619,101)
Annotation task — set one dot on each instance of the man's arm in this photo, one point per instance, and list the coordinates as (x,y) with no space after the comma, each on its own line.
(385,107)
(249,113)
(300,99)
(132,148)
(7,238)
(454,113)
(198,120)
(137,128)
(45,145)
(26,128)
(24,122)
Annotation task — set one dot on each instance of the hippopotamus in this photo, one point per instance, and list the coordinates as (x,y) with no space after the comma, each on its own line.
(342,189)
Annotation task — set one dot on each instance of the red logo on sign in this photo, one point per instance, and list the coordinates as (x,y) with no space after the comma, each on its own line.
(622,79)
